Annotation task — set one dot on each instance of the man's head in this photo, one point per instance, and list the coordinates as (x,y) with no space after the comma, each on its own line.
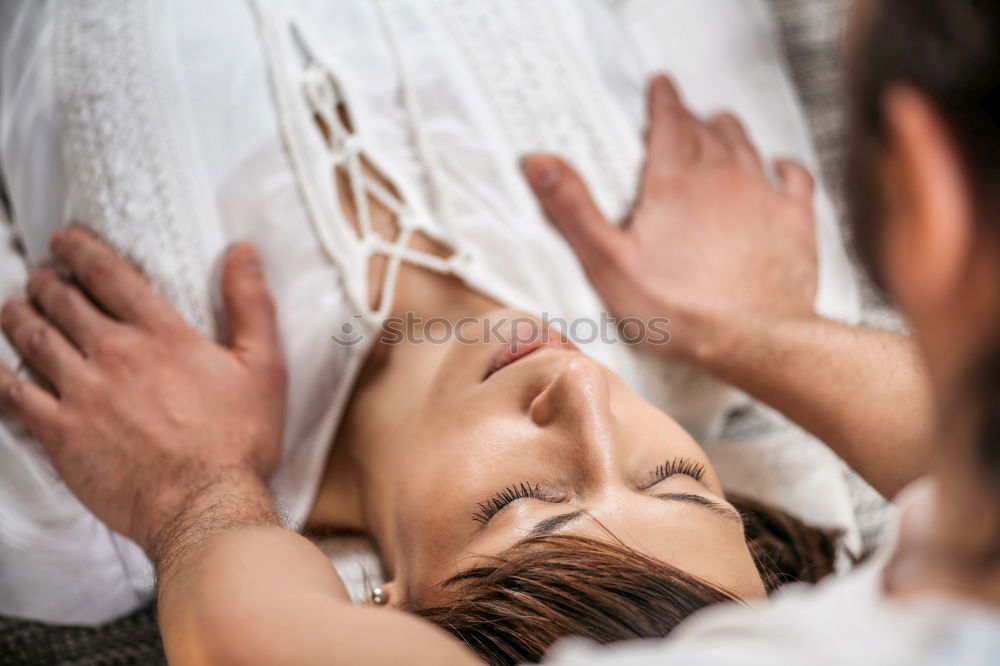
(923,176)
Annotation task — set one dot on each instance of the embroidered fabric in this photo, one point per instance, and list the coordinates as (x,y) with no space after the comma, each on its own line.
(121,144)
(308,96)
(424,114)
(535,85)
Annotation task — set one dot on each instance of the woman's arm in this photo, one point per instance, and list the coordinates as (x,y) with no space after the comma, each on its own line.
(168,437)
(731,260)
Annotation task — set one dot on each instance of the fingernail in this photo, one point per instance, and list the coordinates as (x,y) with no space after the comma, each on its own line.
(543,174)
(9,308)
(248,258)
(56,239)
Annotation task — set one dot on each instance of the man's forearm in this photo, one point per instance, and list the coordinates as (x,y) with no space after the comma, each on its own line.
(254,593)
(248,595)
(863,392)
(206,510)
(225,566)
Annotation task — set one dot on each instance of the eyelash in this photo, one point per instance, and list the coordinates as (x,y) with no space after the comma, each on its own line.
(493,505)
(682,466)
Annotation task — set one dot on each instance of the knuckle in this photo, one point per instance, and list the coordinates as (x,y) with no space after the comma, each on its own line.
(110,347)
(730,177)
(36,283)
(58,298)
(98,269)
(59,436)
(38,341)
(11,394)
(72,239)
(277,371)
(9,316)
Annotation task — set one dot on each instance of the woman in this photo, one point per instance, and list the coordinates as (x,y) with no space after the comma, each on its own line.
(509,445)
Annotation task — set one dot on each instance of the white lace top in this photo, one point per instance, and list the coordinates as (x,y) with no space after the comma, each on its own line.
(176,128)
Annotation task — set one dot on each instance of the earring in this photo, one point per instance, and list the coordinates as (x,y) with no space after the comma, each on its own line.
(379,596)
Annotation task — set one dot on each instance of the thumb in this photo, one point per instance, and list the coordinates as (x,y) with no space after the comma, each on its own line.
(253,322)
(567,202)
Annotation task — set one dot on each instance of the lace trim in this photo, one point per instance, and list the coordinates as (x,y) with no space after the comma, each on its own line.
(118,146)
(543,100)
(306,91)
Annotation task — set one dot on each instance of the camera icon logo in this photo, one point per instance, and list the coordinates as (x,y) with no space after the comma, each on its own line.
(350,333)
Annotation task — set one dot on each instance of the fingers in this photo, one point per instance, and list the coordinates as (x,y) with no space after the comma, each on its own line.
(39,343)
(730,129)
(28,404)
(108,279)
(252,318)
(68,308)
(672,139)
(795,180)
(677,138)
(567,202)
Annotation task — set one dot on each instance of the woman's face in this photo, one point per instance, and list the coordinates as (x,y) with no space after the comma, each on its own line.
(502,445)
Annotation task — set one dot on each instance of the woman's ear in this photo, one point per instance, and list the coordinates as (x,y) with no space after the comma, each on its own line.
(929,230)
(388,595)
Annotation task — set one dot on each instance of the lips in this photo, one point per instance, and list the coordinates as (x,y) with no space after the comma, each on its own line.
(519,348)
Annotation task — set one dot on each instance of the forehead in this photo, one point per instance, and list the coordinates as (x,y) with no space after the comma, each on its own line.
(688,537)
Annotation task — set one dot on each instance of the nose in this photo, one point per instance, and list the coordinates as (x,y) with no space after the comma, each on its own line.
(578,400)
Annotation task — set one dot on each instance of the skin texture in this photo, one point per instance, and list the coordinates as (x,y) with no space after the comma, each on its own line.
(941,267)
(556,420)
(939,263)
(412,467)
(123,397)
(680,255)
(232,579)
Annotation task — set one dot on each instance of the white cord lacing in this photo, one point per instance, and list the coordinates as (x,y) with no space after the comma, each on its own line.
(324,99)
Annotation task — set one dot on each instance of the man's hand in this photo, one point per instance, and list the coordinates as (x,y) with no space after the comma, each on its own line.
(709,240)
(146,419)
(731,261)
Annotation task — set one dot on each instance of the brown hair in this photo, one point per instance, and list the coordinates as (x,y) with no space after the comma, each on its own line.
(946,50)
(548,588)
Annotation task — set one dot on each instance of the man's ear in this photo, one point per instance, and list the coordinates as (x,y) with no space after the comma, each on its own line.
(929,230)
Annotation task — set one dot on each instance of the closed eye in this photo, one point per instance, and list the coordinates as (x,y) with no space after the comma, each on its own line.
(675,467)
(502,499)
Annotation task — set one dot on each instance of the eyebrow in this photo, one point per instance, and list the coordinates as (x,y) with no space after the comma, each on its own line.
(727,511)
(550,525)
